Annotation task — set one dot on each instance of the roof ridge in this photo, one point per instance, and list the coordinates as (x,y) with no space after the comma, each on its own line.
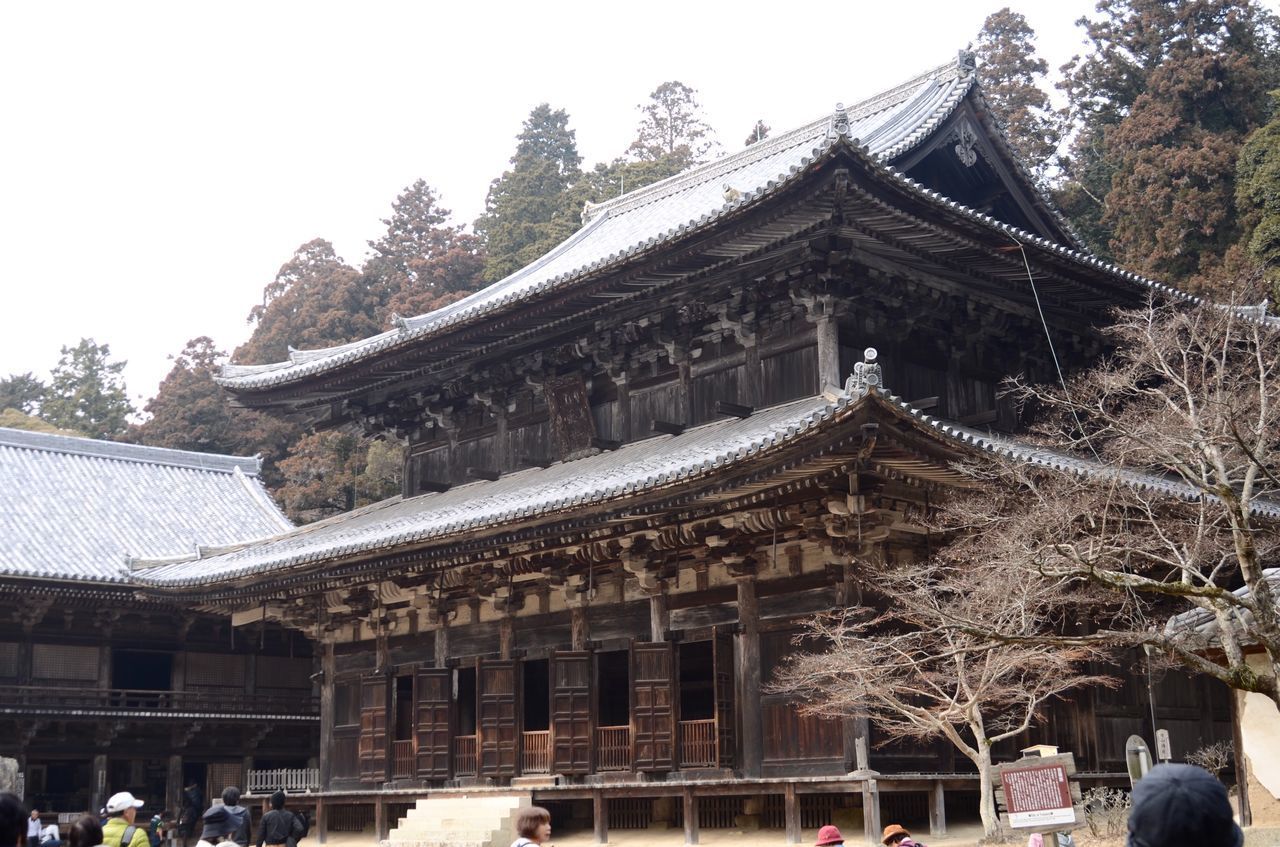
(762,149)
(47,442)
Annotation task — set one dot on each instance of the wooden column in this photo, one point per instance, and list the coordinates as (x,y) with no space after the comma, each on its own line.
(442,643)
(600,817)
(251,673)
(578,626)
(623,417)
(328,668)
(380,818)
(690,816)
(321,823)
(938,810)
(747,673)
(752,386)
(99,781)
(871,811)
(792,813)
(827,332)
(173,784)
(246,765)
(506,636)
(659,616)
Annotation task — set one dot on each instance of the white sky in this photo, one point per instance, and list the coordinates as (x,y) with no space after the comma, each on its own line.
(160,161)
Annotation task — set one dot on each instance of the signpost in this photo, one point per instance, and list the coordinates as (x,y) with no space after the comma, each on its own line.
(1037,794)
(1163,750)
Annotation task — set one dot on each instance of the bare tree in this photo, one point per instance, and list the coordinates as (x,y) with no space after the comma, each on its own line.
(1165,509)
(918,677)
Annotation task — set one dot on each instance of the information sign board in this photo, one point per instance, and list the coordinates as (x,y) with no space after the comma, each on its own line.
(1037,795)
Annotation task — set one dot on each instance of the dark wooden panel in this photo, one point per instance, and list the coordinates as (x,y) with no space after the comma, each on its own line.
(431,697)
(412,649)
(661,402)
(707,389)
(479,639)
(571,712)
(726,717)
(529,441)
(345,749)
(792,736)
(653,716)
(621,620)
(572,427)
(790,375)
(476,453)
(497,681)
(373,729)
(605,416)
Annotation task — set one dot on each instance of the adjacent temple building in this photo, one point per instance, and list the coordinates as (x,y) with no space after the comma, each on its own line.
(636,467)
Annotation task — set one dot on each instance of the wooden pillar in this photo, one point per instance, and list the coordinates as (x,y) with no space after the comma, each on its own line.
(752,385)
(578,626)
(104,666)
(246,765)
(685,366)
(442,643)
(506,636)
(600,817)
(828,336)
(380,818)
(173,784)
(623,415)
(659,616)
(792,813)
(328,667)
(938,810)
(690,816)
(321,823)
(99,781)
(871,811)
(251,673)
(747,673)
(501,448)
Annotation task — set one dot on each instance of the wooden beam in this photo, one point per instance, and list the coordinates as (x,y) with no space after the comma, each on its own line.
(690,815)
(433,485)
(535,461)
(733,410)
(484,473)
(605,443)
(600,817)
(668,427)
(871,811)
(792,813)
(321,823)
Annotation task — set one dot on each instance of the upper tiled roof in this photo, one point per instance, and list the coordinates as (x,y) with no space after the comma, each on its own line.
(79,509)
(886,126)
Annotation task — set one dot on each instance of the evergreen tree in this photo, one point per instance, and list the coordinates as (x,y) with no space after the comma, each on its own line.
(1011,74)
(331,472)
(530,209)
(87,392)
(315,300)
(22,392)
(1258,199)
(759,132)
(672,128)
(422,262)
(1162,103)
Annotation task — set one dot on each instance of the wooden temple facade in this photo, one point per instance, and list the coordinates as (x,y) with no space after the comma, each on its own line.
(637,467)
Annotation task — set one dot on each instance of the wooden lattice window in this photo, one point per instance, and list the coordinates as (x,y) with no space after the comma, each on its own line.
(220,775)
(215,670)
(8,660)
(64,662)
(283,672)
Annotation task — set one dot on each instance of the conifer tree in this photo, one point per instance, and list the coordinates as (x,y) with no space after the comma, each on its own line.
(759,132)
(1258,200)
(87,392)
(529,209)
(1011,75)
(672,130)
(22,392)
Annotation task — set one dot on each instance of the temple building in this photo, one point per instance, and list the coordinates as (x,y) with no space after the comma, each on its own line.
(637,466)
(102,691)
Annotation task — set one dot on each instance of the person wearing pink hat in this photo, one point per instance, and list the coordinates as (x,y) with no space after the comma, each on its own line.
(829,836)
(896,835)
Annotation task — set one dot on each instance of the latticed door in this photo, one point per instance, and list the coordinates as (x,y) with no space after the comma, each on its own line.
(571,712)
(431,689)
(497,718)
(653,715)
(373,729)
(725,716)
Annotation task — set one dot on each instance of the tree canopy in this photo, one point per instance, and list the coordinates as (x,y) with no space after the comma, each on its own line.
(672,128)
(87,392)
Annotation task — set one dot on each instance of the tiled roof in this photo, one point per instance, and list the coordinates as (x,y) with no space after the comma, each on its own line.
(887,125)
(79,509)
(633,469)
(1200,624)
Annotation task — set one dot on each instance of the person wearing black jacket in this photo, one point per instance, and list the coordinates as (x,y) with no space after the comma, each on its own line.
(279,828)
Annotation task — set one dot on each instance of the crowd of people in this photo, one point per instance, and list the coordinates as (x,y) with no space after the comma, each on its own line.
(227,824)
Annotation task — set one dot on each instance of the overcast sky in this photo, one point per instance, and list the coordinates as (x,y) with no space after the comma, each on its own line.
(160,161)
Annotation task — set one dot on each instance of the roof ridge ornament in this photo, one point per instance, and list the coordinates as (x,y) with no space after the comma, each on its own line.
(967,60)
(839,123)
(399,321)
(866,377)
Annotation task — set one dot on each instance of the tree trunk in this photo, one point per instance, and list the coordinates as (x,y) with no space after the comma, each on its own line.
(987,794)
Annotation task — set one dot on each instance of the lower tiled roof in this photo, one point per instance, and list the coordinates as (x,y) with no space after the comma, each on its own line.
(79,509)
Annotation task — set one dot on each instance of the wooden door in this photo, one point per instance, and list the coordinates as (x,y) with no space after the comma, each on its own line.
(725,715)
(373,729)
(653,717)
(571,713)
(497,695)
(431,690)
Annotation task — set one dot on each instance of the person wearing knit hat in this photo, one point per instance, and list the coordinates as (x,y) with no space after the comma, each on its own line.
(1181,806)
(829,836)
(896,835)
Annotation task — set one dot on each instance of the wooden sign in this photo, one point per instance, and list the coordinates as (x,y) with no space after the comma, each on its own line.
(572,426)
(1036,793)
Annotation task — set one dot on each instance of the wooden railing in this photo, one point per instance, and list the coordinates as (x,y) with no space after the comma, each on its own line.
(283,779)
(535,753)
(613,748)
(698,747)
(56,698)
(464,755)
(403,761)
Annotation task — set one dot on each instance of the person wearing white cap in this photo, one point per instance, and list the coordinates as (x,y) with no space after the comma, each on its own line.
(120,830)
